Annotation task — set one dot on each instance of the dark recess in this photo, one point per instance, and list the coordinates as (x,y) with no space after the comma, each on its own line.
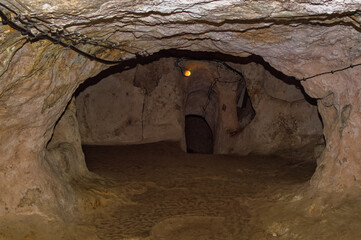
(199,136)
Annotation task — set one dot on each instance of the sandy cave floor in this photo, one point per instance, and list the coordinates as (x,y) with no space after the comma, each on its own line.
(164,193)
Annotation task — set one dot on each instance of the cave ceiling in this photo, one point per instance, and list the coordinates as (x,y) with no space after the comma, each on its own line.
(290,35)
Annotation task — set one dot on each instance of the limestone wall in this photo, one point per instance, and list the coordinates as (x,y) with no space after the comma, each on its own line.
(300,38)
(149,103)
(136,106)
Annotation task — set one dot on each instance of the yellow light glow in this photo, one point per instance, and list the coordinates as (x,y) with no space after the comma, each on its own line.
(187,73)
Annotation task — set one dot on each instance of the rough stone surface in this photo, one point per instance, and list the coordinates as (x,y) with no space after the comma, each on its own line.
(285,123)
(116,110)
(33,98)
(300,38)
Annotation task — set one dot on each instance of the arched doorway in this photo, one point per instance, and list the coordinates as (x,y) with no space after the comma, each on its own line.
(199,136)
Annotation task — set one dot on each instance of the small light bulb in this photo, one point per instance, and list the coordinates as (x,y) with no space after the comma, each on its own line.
(187,73)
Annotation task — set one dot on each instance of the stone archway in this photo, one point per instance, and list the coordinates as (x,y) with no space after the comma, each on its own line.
(38,77)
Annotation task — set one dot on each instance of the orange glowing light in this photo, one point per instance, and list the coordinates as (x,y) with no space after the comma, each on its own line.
(187,73)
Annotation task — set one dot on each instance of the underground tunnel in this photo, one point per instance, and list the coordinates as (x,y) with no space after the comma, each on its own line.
(211,110)
(180,120)
(142,121)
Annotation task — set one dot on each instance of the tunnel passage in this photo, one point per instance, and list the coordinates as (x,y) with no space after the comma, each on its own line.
(153,109)
(199,136)
(33,96)
(248,106)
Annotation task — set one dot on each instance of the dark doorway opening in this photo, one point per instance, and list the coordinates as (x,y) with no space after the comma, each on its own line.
(199,136)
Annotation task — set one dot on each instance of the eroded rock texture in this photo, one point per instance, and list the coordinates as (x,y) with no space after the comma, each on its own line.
(26,129)
(135,106)
(117,110)
(299,38)
(286,123)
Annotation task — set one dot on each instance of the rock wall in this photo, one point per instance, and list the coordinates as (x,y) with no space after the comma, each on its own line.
(64,158)
(136,106)
(38,78)
(33,98)
(285,124)
(132,108)
(339,105)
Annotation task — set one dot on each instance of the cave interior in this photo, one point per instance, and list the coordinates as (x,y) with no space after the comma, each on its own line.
(140,125)
(180,120)
(209,111)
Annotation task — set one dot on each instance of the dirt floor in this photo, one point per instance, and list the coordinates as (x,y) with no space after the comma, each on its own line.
(165,194)
(158,192)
